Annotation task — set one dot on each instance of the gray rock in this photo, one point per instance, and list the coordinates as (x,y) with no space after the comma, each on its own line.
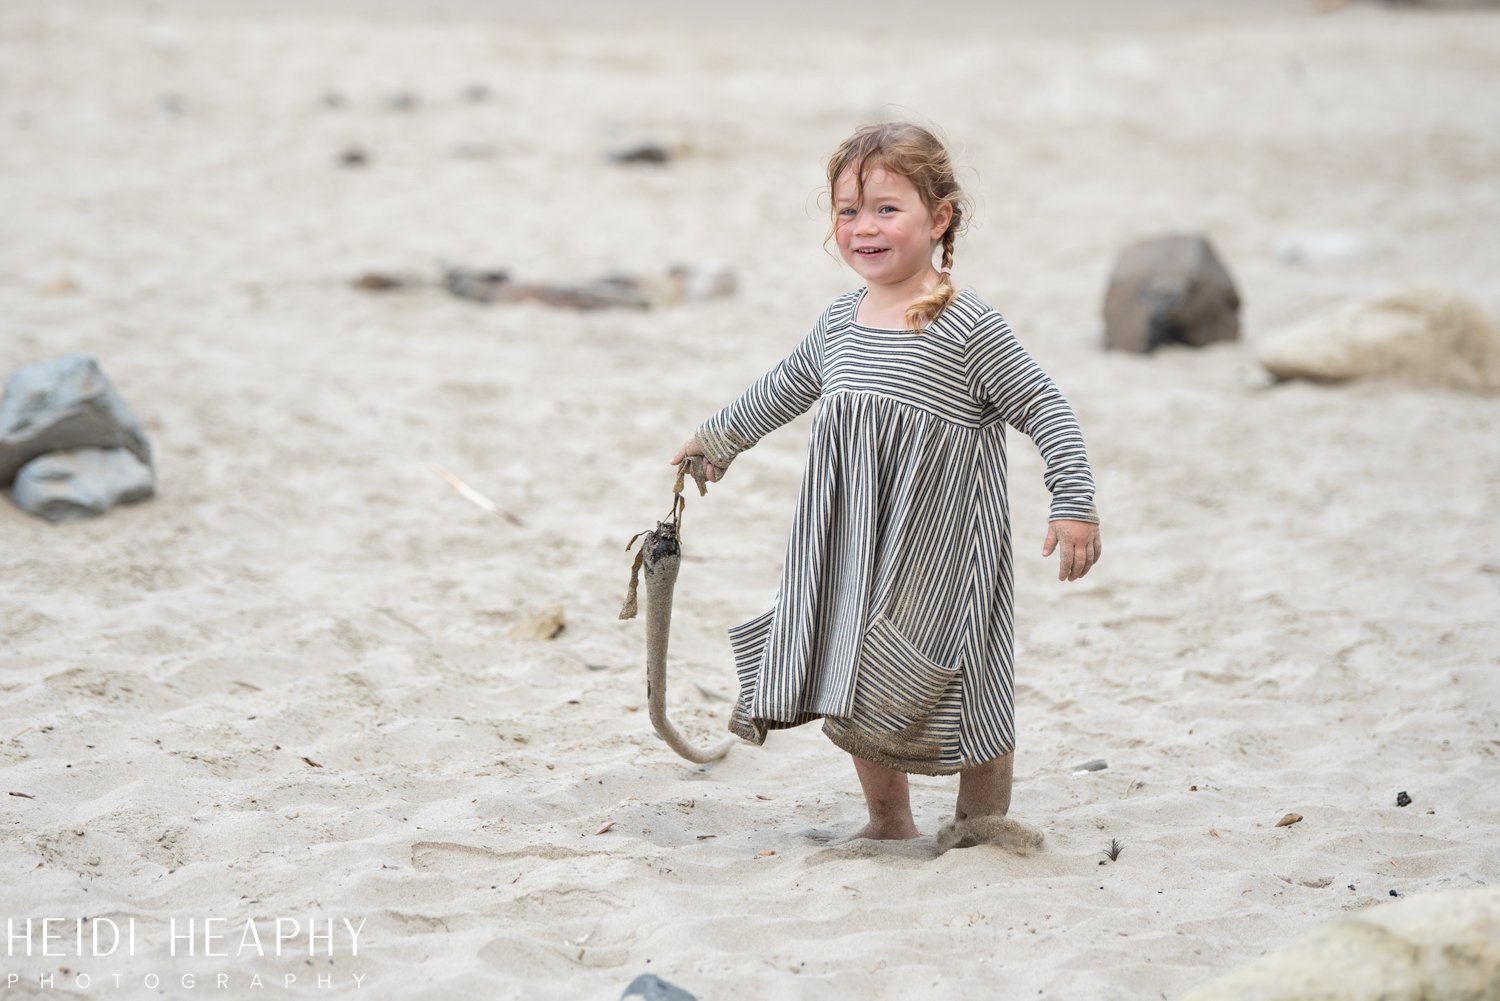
(63,404)
(650,987)
(82,483)
(1441,946)
(1093,765)
(646,152)
(1170,290)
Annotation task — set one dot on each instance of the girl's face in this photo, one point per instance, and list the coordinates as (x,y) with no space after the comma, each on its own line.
(887,238)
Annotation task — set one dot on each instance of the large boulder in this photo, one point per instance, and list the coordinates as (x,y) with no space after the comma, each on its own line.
(63,486)
(1170,290)
(67,403)
(1436,947)
(1420,336)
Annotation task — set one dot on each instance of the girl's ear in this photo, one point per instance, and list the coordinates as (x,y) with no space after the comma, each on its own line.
(941,217)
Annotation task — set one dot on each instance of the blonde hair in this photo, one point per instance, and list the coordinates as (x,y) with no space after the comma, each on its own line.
(914,153)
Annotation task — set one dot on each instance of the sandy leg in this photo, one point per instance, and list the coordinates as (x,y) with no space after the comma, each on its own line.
(979,817)
(888,800)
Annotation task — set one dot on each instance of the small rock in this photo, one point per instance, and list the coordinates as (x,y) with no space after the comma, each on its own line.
(1402,799)
(646,152)
(1170,290)
(1289,820)
(82,483)
(1096,765)
(475,285)
(545,626)
(404,100)
(334,100)
(650,987)
(1421,336)
(384,281)
(353,156)
(63,404)
(478,93)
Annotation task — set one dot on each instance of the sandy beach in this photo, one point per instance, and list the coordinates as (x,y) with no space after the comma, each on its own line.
(284,688)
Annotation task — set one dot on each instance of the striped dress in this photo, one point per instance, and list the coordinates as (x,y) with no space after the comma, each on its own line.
(893,619)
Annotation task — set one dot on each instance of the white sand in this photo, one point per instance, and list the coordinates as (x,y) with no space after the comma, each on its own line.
(1297,609)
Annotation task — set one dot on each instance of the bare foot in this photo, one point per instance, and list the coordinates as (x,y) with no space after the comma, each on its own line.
(888,831)
(990,829)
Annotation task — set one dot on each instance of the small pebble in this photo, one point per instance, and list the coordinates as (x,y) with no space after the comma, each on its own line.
(1096,765)
(647,152)
(1402,799)
(1395,894)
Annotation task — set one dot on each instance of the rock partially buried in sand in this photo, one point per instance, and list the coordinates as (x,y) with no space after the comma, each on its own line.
(536,628)
(67,403)
(1170,290)
(650,987)
(1435,947)
(64,486)
(1421,336)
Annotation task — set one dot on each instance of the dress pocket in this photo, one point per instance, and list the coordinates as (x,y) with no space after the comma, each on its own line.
(748,641)
(896,680)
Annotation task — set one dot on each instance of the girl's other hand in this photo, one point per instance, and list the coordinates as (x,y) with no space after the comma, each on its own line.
(691,447)
(1078,547)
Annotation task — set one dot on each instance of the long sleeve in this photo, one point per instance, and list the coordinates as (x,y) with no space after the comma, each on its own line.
(777,397)
(1005,377)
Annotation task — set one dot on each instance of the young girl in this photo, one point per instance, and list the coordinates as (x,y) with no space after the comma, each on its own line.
(892,622)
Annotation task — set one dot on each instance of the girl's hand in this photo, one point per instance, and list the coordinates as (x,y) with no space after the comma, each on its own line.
(1078,547)
(691,447)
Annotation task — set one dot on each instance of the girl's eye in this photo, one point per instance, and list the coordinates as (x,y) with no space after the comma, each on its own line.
(846,212)
(887,208)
